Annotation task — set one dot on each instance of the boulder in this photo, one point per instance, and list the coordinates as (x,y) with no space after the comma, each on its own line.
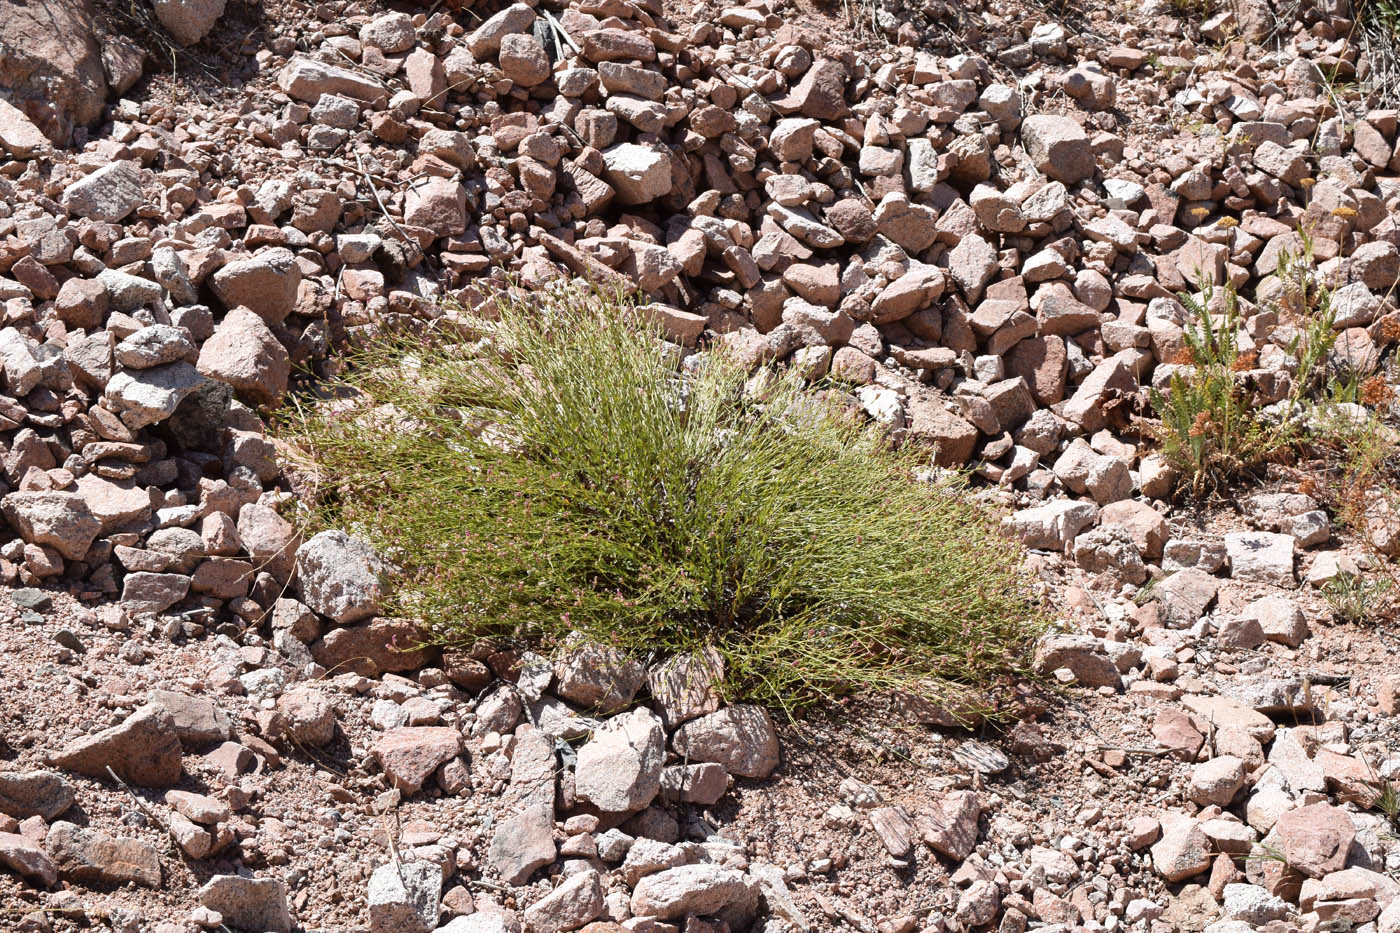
(619,768)
(1058,147)
(52,64)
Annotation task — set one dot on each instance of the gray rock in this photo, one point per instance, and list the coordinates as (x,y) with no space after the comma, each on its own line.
(1185,596)
(148,396)
(1262,556)
(126,292)
(188,20)
(689,889)
(1052,526)
(34,793)
(1253,904)
(154,346)
(108,194)
(404,897)
(339,577)
(575,902)
(524,841)
(150,593)
(619,768)
(248,903)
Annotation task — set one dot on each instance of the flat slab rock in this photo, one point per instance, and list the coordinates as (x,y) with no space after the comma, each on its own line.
(144,750)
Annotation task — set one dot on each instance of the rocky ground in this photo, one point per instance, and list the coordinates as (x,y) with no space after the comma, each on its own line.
(972,220)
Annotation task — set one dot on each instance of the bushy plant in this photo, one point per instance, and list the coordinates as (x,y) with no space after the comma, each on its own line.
(1355,599)
(1212,427)
(563,473)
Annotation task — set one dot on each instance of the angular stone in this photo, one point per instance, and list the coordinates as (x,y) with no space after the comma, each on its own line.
(523,842)
(18,135)
(248,903)
(1058,147)
(26,858)
(309,715)
(142,750)
(686,686)
(572,904)
(61,520)
(404,897)
(437,204)
(1183,851)
(197,721)
(409,755)
(740,737)
(688,889)
(949,826)
(703,783)
(523,59)
(244,353)
(619,768)
(148,396)
(88,855)
(1052,526)
(154,346)
(1316,839)
(485,40)
(373,648)
(339,576)
(1261,556)
(307,79)
(597,677)
(146,593)
(1185,596)
(34,793)
(266,284)
(638,173)
(1217,781)
(107,195)
(188,21)
(1086,656)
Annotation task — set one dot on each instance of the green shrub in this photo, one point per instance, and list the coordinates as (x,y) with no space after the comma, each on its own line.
(1355,599)
(1210,429)
(1213,429)
(563,474)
